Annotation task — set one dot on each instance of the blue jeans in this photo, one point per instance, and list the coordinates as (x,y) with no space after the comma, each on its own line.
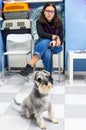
(43,50)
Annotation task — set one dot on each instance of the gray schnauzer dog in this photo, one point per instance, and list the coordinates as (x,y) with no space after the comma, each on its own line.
(38,102)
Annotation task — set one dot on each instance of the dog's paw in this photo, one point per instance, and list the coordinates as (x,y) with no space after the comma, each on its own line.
(54,120)
(43,126)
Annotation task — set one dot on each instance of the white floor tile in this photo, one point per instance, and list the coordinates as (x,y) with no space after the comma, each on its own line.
(3,107)
(14,123)
(75,99)
(10,88)
(75,124)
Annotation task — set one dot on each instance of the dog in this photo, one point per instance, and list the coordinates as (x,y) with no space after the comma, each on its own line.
(38,102)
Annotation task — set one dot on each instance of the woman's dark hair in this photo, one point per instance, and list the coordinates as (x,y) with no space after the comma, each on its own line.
(56,20)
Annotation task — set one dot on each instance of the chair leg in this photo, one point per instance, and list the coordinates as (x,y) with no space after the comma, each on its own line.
(59,65)
(3,68)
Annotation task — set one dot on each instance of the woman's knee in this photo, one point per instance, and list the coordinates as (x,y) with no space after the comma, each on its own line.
(57,50)
(41,46)
(42,42)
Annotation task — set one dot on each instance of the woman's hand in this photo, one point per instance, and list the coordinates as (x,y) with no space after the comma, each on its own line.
(57,39)
(58,42)
(53,43)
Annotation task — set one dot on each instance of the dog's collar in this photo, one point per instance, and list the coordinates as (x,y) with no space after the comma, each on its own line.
(39,95)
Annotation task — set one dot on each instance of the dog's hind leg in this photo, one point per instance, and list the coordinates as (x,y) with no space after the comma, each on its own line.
(40,120)
(25,111)
(51,114)
(25,114)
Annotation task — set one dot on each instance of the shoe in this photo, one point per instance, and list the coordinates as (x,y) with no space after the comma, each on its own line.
(28,69)
(51,80)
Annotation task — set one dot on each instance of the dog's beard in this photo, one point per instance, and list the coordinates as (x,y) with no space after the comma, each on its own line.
(44,89)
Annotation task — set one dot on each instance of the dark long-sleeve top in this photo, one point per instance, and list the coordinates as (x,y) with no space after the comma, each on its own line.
(46,31)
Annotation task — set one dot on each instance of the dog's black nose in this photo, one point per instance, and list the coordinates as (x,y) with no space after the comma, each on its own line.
(46,82)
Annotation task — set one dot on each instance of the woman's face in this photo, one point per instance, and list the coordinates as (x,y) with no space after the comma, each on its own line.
(49,13)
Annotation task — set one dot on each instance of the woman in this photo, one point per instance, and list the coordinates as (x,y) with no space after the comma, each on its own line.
(50,31)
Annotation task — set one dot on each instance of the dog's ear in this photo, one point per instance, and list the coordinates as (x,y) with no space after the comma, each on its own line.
(46,72)
(35,75)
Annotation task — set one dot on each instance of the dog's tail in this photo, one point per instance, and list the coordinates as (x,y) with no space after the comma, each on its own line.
(17,103)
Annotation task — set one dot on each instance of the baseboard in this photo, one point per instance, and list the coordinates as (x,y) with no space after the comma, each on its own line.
(77,73)
(37,68)
(18,69)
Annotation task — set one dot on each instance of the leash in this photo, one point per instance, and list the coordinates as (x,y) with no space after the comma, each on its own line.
(51,59)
